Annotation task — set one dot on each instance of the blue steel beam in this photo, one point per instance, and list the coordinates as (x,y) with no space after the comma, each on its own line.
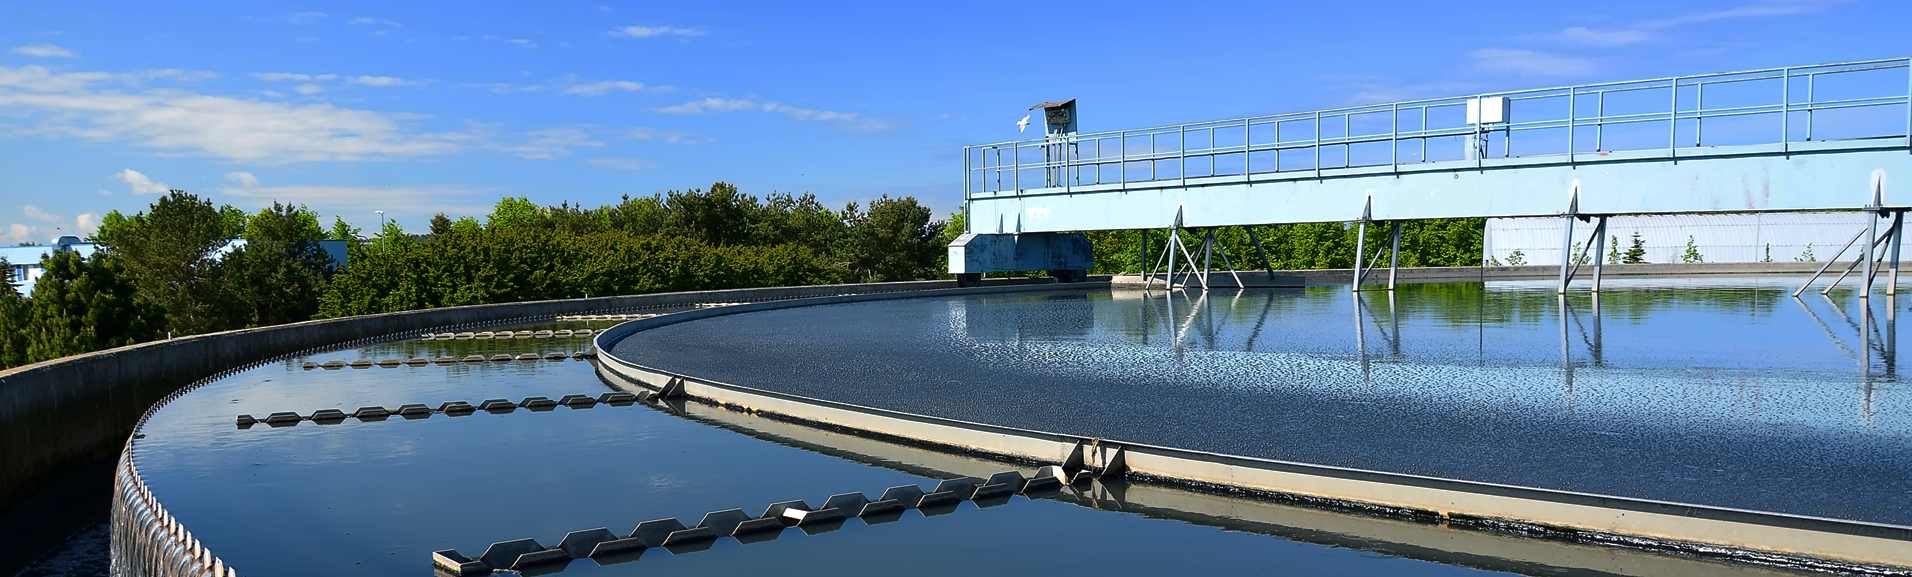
(1762,154)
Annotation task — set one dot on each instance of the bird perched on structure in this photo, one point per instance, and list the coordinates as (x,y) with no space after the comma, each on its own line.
(1022,125)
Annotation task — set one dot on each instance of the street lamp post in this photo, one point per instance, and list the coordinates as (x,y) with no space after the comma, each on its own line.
(381,231)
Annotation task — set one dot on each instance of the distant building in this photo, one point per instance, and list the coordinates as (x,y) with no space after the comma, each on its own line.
(1775,236)
(24,261)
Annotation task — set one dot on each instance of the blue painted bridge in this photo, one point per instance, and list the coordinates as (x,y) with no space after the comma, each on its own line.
(1803,138)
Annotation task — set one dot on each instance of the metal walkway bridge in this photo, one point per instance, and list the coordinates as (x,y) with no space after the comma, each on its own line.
(1803,138)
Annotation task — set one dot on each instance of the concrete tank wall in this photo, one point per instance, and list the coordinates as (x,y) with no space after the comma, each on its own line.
(64,421)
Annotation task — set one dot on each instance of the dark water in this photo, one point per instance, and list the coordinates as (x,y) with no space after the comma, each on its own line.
(1724,392)
(376,498)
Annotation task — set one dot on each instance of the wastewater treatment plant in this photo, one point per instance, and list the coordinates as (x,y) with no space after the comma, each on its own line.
(1205,415)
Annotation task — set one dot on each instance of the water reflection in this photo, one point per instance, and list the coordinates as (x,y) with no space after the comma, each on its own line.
(1697,390)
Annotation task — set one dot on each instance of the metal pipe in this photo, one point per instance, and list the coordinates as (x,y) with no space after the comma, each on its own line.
(1191,260)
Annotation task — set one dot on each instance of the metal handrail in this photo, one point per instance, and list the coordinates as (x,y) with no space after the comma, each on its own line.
(983,166)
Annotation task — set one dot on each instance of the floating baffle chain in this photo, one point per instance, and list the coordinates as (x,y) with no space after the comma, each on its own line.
(604,547)
(453,408)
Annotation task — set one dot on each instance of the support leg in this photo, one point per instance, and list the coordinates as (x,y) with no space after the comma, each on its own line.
(1829,260)
(1599,253)
(1891,281)
(1259,251)
(1360,252)
(1394,260)
(1208,254)
(1872,232)
(1566,254)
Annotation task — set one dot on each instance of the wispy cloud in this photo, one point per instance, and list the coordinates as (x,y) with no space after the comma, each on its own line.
(292,77)
(44,51)
(177,121)
(370,21)
(550,143)
(603,87)
(376,80)
(655,32)
(140,183)
(35,213)
(709,105)
(847,120)
(398,201)
(622,163)
(521,42)
(303,18)
(1656,28)
(1532,63)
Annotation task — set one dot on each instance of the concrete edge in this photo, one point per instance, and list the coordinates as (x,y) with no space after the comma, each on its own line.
(1676,525)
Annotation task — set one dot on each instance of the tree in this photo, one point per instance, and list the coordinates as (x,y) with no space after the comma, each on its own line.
(514,213)
(1636,254)
(278,275)
(13,320)
(84,304)
(168,254)
(895,241)
(718,217)
(1692,254)
(441,225)
(343,231)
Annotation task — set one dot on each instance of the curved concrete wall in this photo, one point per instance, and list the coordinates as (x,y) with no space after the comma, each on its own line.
(1797,541)
(65,421)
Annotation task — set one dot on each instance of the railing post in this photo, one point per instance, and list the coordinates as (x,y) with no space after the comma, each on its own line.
(1394,139)
(1317,145)
(1785,110)
(1122,168)
(1570,122)
(1673,121)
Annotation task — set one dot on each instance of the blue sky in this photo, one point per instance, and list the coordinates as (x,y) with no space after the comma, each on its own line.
(416,108)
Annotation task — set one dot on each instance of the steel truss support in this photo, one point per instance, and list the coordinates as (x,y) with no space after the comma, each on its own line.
(1597,243)
(1869,256)
(1363,264)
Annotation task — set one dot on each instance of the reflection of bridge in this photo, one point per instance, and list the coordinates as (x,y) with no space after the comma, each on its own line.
(1820,137)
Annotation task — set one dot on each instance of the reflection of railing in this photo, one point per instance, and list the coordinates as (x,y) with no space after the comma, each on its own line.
(1663,117)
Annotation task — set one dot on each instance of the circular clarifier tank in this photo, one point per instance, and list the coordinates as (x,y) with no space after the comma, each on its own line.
(1714,391)
(1309,375)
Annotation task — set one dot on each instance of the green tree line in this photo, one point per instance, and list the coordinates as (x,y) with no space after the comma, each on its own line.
(168,271)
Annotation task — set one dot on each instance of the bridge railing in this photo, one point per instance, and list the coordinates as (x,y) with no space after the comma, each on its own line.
(1856,104)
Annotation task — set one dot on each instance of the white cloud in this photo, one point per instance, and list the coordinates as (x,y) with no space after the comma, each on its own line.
(648,133)
(35,213)
(86,223)
(709,105)
(622,163)
(183,122)
(1648,30)
(293,77)
(44,51)
(18,233)
(303,18)
(376,80)
(1532,63)
(600,88)
(308,89)
(370,21)
(848,120)
(551,143)
(655,31)
(243,179)
(521,42)
(398,201)
(140,183)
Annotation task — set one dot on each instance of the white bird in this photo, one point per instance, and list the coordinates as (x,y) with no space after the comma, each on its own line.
(1022,125)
